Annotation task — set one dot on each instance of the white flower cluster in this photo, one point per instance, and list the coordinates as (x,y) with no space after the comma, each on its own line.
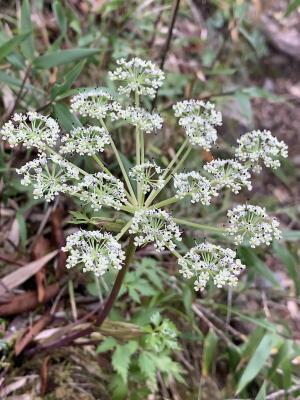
(208,261)
(139,117)
(199,120)
(149,175)
(95,103)
(155,226)
(262,146)
(99,190)
(137,76)
(48,176)
(31,129)
(95,250)
(85,140)
(228,173)
(247,222)
(195,185)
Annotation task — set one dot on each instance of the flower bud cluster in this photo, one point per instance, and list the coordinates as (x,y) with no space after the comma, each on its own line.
(155,226)
(48,176)
(228,174)
(31,129)
(139,117)
(137,76)
(149,175)
(99,190)
(251,223)
(85,140)
(194,185)
(262,146)
(95,103)
(208,261)
(199,119)
(95,250)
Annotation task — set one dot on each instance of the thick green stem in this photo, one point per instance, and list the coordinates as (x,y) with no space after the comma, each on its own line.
(201,227)
(118,283)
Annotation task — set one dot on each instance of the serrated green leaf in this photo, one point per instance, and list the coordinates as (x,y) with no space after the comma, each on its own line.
(27,46)
(156,318)
(107,344)
(258,360)
(7,47)
(134,295)
(62,57)
(118,388)
(147,366)
(121,358)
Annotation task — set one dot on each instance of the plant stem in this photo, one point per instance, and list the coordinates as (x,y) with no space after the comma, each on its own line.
(121,165)
(101,165)
(202,227)
(166,202)
(72,299)
(175,158)
(139,150)
(118,283)
(124,229)
(156,192)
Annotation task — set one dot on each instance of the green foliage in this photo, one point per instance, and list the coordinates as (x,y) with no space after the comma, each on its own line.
(262,362)
(144,357)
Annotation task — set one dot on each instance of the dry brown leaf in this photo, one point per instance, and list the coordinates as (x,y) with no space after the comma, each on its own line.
(27,301)
(24,340)
(19,276)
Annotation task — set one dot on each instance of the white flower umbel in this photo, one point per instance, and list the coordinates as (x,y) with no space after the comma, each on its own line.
(137,76)
(139,117)
(228,173)
(99,190)
(32,130)
(149,175)
(208,261)
(48,176)
(85,140)
(262,146)
(194,185)
(251,223)
(155,226)
(199,119)
(97,251)
(94,103)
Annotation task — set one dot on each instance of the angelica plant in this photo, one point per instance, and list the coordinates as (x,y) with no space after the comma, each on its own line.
(144,220)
